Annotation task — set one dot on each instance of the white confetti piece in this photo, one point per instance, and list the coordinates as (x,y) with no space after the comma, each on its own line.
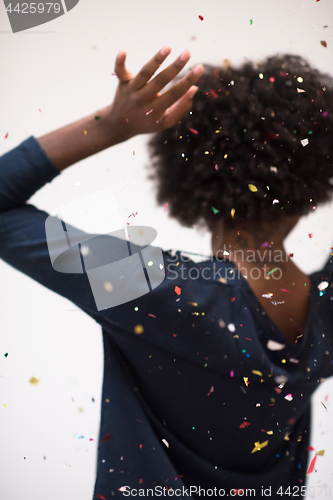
(165,442)
(304,142)
(323,285)
(274,346)
(289,397)
(231,327)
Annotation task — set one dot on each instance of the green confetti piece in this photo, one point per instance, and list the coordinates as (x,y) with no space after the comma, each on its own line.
(272,271)
(97,117)
(215,210)
(310,132)
(251,21)
(6,355)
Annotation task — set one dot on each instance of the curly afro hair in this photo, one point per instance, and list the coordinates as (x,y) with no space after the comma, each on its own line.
(257,144)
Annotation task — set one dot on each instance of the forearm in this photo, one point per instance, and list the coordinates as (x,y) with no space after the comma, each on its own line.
(80,139)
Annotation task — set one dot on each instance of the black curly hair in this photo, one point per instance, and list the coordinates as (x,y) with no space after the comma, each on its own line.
(257,144)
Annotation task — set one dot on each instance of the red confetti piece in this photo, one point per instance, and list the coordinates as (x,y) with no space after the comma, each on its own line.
(263,430)
(244,424)
(174,334)
(310,235)
(193,131)
(312,464)
(214,94)
(107,438)
(283,290)
(101,496)
(178,290)
(233,299)
(272,79)
(152,315)
(140,481)
(201,18)
(269,136)
(6,135)
(291,255)
(140,446)
(238,492)
(246,338)
(210,390)
(309,448)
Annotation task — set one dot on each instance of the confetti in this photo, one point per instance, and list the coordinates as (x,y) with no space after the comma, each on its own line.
(273,169)
(272,271)
(246,381)
(258,446)
(138,329)
(201,18)
(291,255)
(85,132)
(107,438)
(165,206)
(6,354)
(122,488)
(6,135)
(257,372)
(251,21)
(97,117)
(310,235)
(231,327)
(178,290)
(221,323)
(300,90)
(244,424)
(233,212)
(193,131)
(324,405)
(320,453)
(312,464)
(289,397)
(323,285)
(165,442)
(214,94)
(215,210)
(148,112)
(284,290)
(210,390)
(304,142)
(272,345)
(253,188)
(33,381)
(108,287)
(264,245)
(324,44)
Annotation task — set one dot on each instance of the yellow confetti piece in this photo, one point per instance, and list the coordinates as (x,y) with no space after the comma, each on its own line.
(257,372)
(107,401)
(223,280)
(321,453)
(85,132)
(33,381)
(138,329)
(269,432)
(246,381)
(253,188)
(193,303)
(258,446)
(233,212)
(108,287)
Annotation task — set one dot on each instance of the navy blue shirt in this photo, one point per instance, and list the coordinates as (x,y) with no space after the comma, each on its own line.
(197,399)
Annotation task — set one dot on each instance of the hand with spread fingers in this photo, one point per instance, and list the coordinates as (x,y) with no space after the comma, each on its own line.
(138,106)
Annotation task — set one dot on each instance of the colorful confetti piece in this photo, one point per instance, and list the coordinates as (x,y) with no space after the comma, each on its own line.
(34,381)
(138,329)
(201,18)
(258,446)
(253,188)
(178,290)
(323,43)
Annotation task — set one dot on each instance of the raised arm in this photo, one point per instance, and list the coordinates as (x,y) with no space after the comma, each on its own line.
(138,108)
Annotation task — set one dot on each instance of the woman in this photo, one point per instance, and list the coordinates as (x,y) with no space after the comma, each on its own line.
(207,378)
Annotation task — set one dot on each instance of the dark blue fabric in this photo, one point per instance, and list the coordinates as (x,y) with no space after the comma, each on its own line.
(182,379)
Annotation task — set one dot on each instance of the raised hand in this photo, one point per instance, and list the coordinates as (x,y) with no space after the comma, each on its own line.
(139,108)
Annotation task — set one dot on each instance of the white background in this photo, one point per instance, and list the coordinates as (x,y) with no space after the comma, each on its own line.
(64,69)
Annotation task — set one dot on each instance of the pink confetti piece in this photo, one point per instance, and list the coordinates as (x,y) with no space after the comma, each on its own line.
(264,245)
(210,391)
(312,465)
(232,373)
(165,206)
(284,290)
(152,315)
(193,131)
(6,135)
